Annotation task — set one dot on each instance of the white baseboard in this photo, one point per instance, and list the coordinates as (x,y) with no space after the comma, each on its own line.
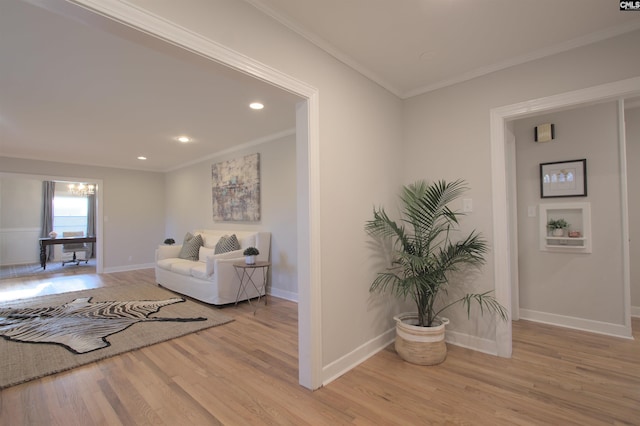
(635,311)
(283,294)
(20,263)
(609,329)
(129,268)
(373,346)
(349,361)
(472,342)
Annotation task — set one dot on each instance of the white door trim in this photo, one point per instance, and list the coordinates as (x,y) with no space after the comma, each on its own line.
(502,245)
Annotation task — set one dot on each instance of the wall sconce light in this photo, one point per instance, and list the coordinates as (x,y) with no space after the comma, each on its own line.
(544,132)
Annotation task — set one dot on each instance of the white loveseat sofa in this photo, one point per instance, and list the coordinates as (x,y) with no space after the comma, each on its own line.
(212,278)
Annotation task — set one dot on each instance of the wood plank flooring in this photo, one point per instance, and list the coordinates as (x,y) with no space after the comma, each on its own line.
(245,373)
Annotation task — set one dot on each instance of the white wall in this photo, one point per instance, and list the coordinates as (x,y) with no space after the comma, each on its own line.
(573,284)
(448,133)
(632,117)
(133,207)
(20,216)
(188,206)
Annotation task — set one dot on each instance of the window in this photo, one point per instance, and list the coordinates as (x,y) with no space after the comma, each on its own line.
(69,213)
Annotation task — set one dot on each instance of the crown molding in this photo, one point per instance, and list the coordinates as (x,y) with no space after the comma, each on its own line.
(460,78)
(252,143)
(518,60)
(326,46)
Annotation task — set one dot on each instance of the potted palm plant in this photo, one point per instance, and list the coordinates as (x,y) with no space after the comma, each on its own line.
(424,254)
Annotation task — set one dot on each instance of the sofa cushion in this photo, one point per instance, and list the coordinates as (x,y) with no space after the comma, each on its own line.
(227,243)
(167,263)
(199,270)
(177,265)
(204,253)
(184,267)
(190,247)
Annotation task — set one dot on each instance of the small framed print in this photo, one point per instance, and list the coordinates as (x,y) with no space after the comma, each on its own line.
(563,179)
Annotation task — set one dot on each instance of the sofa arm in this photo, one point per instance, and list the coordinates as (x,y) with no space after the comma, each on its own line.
(223,260)
(224,270)
(236,255)
(167,252)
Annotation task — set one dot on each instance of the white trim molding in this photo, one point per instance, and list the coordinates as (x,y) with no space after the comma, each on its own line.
(609,329)
(377,344)
(359,355)
(499,117)
(471,342)
(283,294)
(125,268)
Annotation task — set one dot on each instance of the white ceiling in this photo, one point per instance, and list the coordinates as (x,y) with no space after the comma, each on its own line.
(414,46)
(105,94)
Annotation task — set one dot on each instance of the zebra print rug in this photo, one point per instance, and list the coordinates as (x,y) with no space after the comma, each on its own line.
(49,334)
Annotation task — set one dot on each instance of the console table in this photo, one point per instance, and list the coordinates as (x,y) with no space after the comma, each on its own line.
(245,274)
(44,242)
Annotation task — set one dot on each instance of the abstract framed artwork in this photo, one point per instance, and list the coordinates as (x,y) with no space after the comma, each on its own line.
(563,179)
(235,189)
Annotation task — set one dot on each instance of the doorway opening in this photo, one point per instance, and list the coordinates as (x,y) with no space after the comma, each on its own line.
(504,219)
(307,155)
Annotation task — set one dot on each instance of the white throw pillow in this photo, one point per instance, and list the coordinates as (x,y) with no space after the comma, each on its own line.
(204,252)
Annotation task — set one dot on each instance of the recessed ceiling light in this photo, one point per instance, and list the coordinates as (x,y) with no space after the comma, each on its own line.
(184,139)
(142,158)
(256,105)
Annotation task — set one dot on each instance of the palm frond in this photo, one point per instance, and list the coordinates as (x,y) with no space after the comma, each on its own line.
(423,251)
(485,301)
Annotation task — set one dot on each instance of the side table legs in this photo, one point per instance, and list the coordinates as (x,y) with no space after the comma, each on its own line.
(246,278)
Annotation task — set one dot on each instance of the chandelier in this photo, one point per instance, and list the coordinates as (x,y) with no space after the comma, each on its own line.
(82,189)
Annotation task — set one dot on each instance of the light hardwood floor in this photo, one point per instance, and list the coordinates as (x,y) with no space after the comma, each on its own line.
(245,373)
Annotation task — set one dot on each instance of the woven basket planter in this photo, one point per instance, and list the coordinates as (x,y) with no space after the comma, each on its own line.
(420,345)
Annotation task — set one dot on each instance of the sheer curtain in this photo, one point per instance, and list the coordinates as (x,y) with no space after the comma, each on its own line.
(48,192)
(91,221)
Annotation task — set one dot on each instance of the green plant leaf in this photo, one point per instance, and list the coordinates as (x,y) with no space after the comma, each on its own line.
(424,252)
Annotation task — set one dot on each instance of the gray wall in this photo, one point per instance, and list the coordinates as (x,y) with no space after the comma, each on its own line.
(447,131)
(20,212)
(573,284)
(188,206)
(133,203)
(632,117)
